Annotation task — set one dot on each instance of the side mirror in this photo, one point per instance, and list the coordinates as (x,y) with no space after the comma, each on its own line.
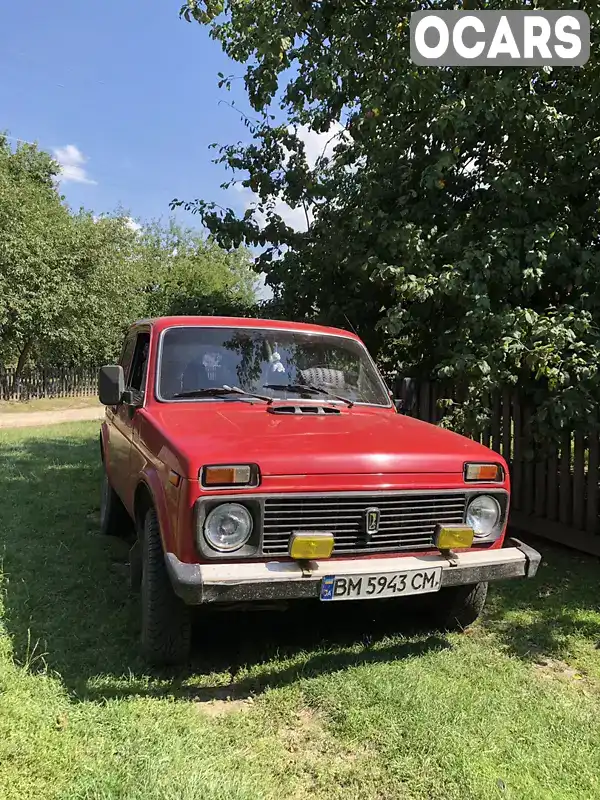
(111,384)
(406,391)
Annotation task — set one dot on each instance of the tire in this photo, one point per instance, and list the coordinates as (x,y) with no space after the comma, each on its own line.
(166,620)
(135,566)
(114,519)
(457,607)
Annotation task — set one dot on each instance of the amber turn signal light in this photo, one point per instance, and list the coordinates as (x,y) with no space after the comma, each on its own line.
(230,475)
(307,546)
(453,537)
(484,472)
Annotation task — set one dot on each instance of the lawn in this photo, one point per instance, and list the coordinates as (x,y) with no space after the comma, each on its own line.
(357,702)
(47,404)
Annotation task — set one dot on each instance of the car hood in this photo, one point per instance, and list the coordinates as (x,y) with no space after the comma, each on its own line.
(359,440)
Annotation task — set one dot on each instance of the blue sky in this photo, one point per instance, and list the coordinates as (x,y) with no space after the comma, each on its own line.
(126,92)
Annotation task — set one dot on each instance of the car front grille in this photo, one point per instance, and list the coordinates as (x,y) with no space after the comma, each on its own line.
(406,521)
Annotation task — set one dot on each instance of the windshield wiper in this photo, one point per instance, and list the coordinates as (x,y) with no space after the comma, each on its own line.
(222,391)
(308,388)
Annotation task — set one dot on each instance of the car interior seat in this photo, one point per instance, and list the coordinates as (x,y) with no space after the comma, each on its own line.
(195,376)
(324,376)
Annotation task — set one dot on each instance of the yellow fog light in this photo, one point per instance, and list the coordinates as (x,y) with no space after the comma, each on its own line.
(453,537)
(311,545)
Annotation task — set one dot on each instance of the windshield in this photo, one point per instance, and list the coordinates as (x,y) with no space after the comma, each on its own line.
(272,363)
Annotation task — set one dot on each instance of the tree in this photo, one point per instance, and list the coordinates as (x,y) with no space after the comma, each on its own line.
(64,278)
(70,283)
(102,296)
(455,221)
(182,272)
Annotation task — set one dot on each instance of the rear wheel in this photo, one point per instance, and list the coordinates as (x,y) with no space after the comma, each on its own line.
(114,519)
(166,620)
(135,565)
(457,607)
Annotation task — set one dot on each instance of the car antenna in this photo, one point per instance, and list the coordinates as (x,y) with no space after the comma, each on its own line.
(354,331)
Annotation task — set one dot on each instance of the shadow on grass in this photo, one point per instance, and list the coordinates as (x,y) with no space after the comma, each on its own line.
(253,645)
(538,617)
(67,605)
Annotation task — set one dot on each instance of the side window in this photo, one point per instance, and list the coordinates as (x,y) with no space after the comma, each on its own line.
(139,365)
(127,353)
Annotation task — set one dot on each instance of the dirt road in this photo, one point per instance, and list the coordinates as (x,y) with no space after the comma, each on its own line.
(34,419)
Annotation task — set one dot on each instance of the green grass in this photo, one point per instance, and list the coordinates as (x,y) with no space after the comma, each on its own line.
(343,701)
(47,404)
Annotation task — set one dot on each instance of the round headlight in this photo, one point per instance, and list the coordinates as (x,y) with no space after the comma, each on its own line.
(483,515)
(228,527)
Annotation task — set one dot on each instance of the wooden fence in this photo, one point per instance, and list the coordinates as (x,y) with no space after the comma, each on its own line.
(556,495)
(37,383)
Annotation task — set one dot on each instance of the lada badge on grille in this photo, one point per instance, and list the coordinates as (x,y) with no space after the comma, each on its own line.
(372,517)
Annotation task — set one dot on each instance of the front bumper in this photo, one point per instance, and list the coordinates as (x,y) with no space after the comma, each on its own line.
(277,580)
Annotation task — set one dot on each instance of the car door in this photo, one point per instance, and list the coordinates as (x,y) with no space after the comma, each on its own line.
(137,387)
(114,454)
(134,362)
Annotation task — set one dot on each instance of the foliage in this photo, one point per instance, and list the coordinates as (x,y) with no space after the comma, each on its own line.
(103,293)
(455,215)
(183,273)
(71,282)
(64,278)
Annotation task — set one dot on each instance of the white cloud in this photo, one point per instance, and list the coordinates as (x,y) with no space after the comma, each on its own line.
(297,218)
(132,224)
(319,144)
(316,145)
(72,162)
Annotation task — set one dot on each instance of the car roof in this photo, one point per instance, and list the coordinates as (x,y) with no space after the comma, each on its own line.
(160,323)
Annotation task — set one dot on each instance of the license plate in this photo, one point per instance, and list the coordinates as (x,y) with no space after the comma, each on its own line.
(390,584)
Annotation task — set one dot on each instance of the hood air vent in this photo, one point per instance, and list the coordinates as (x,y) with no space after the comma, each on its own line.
(313,410)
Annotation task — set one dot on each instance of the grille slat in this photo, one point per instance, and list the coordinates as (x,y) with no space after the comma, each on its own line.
(358,505)
(407,522)
(331,525)
(426,545)
(284,515)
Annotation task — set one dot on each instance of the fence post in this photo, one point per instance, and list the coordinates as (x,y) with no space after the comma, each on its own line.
(564,506)
(528,485)
(423,407)
(552,485)
(591,517)
(578,481)
(540,486)
(506,425)
(516,461)
(496,422)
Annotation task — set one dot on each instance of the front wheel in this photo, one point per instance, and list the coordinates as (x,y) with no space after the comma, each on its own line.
(166,620)
(457,607)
